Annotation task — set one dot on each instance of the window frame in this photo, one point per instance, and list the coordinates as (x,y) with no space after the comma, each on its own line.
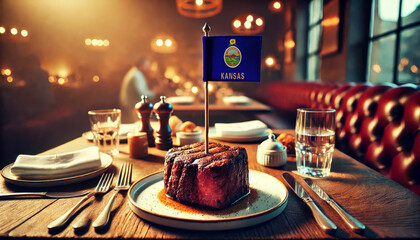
(397,31)
(316,53)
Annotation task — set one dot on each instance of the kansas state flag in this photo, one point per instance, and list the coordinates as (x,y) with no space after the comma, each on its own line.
(232,58)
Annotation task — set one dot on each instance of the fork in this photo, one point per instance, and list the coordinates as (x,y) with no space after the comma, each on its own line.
(102,187)
(123,183)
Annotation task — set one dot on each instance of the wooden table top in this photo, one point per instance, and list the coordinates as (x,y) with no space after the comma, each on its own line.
(387,209)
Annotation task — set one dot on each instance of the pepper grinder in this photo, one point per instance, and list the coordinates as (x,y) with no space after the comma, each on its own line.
(144,111)
(163,111)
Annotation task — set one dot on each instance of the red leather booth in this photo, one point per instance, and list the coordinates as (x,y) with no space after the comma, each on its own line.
(378,125)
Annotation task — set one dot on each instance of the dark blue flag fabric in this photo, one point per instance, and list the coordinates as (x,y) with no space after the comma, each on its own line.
(232,58)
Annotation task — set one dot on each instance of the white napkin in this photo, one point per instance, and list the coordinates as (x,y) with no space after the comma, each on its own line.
(240,129)
(236,100)
(54,166)
(181,100)
(126,128)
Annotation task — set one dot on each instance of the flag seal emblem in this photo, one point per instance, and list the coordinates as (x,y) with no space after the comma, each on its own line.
(232,55)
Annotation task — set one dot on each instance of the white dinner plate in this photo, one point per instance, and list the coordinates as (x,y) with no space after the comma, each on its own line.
(181,100)
(238,139)
(106,162)
(267,199)
(238,100)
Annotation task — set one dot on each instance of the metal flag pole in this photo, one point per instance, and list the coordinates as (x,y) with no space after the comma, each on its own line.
(206,30)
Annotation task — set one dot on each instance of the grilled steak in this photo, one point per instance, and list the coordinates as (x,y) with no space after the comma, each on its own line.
(215,179)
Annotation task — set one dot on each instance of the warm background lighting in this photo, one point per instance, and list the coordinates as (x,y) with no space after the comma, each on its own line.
(168,42)
(248,24)
(2,30)
(250,18)
(199,8)
(61,81)
(414,69)
(199,2)
(6,72)
(163,44)
(376,68)
(275,6)
(188,85)
(269,61)
(289,44)
(24,33)
(176,79)
(51,79)
(95,78)
(13,31)
(194,90)
(330,22)
(96,42)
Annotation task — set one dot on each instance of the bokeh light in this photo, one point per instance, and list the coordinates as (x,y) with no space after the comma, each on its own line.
(24,33)
(236,23)
(13,31)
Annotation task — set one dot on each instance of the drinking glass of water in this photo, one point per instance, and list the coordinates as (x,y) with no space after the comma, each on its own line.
(314,141)
(105,126)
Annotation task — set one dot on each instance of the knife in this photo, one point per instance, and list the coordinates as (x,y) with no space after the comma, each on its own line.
(44,194)
(353,223)
(323,221)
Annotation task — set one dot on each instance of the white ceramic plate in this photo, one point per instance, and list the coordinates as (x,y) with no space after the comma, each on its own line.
(106,161)
(255,138)
(267,199)
(239,100)
(180,100)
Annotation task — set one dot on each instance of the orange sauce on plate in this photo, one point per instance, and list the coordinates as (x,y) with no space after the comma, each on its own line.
(240,205)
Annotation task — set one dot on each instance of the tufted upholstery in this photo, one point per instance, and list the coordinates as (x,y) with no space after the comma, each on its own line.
(378,125)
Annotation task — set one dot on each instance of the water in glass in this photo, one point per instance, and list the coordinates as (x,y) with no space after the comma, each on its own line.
(314,142)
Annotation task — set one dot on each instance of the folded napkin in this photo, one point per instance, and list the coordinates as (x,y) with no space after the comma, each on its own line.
(126,128)
(181,100)
(236,100)
(55,166)
(240,129)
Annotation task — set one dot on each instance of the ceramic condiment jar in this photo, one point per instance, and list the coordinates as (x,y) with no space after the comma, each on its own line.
(271,153)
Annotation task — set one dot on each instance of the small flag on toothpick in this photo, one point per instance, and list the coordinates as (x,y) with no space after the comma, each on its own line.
(232,58)
(229,59)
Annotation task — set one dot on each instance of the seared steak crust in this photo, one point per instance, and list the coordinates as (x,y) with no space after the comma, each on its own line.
(214,180)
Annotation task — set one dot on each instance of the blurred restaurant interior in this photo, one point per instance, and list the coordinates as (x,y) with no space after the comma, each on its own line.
(61,58)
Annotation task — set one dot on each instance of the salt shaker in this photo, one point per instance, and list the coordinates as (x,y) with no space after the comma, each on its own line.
(271,153)
(163,111)
(144,111)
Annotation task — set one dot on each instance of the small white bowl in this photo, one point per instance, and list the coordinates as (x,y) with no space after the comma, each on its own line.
(185,138)
(271,153)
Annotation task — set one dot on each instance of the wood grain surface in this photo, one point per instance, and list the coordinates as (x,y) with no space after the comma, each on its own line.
(387,209)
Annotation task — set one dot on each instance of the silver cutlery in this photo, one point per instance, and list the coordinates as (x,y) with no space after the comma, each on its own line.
(352,222)
(123,183)
(43,194)
(102,187)
(323,221)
